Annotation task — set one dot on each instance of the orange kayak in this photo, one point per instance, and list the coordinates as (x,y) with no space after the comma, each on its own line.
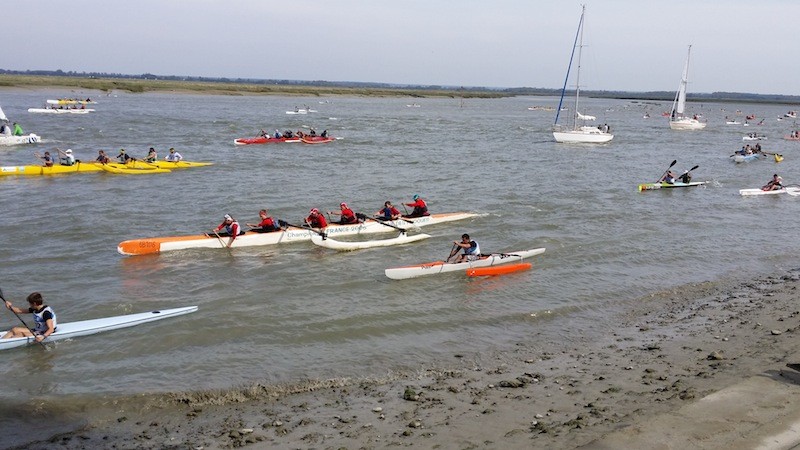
(497,270)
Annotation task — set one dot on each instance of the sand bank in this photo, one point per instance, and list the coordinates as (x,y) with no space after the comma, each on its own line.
(701,366)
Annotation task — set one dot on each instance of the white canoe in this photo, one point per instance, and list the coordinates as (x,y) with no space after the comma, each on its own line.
(18,140)
(437,267)
(94,326)
(289,235)
(59,111)
(346,246)
(791,190)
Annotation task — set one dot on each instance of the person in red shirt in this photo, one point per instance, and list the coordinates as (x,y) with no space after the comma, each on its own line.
(266,225)
(388,212)
(316,220)
(347,216)
(420,207)
(231,227)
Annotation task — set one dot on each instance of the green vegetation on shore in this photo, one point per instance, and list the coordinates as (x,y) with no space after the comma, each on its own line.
(233,88)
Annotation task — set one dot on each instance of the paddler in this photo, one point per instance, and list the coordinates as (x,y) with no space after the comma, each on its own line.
(152,156)
(388,212)
(66,157)
(47,160)
(668,178)
(231,227)
(419,205)
(43,316)
(18,130)
(123,157)
(346,215)
(102,158)
(266,225)
(316,220)
(173,156)
(774,184)
(471,249)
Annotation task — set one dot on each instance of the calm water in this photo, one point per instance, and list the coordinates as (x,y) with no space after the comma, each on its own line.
(293,312)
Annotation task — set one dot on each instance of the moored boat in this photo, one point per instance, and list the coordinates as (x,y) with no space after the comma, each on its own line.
(578,134)
(288,235)
(87,327)
(346,246)
(677,119)
(665,185)
(438,267)
(265,140)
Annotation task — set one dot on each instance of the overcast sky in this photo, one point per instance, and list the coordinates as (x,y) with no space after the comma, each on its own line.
(633,45)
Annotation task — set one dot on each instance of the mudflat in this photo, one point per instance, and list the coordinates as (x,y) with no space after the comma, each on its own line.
(700,366)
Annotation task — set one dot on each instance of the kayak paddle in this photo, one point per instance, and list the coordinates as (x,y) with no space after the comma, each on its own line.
(674,161)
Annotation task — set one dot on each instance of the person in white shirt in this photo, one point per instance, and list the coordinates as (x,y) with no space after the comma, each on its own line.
(173,156)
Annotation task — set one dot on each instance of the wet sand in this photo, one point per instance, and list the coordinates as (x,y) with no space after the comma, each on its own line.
(646,383)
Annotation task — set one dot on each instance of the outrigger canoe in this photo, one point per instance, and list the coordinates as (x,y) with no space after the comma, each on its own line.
(316,139)
(791,190)
(288,235)
(264,140)
(662,185)
(54,170)
(346,246)
(437,267)
(94,326)
(121,169)
(60,111)
(138,164)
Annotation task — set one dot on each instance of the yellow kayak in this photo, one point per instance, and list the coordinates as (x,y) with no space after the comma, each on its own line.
(54,170)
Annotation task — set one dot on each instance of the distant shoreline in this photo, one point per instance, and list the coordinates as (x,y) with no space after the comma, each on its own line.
(324,88)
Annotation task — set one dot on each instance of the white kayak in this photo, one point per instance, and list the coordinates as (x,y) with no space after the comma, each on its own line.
(60,111)
(18,140)
(94,326)
(346,246)
(791,190)
(437,267)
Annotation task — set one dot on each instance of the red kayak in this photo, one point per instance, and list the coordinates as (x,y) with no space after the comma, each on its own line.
(317,139)
(264,140)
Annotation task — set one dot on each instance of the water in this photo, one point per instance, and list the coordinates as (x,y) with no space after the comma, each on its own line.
(288,313)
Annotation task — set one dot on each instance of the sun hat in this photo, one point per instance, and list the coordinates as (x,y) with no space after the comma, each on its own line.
(69,151)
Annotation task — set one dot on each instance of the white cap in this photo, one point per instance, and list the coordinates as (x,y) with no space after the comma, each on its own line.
(228,217)
(69,151)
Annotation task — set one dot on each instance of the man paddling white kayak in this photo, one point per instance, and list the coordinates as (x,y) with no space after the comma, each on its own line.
(43,316)
(472,250)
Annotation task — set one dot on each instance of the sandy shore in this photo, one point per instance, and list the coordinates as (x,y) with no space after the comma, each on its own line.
(668,351)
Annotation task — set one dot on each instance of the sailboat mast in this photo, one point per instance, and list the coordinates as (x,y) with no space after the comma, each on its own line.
(578,72)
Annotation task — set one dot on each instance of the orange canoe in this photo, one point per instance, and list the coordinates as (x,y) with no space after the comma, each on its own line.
(497,270)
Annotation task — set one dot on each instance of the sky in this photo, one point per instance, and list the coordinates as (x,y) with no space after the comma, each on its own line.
(629,45)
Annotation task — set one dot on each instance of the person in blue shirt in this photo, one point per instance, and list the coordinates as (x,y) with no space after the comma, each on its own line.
(472,250)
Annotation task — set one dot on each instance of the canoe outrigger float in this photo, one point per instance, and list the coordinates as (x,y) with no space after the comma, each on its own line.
(288,235)
(346,246)
(437,267)
(94,326)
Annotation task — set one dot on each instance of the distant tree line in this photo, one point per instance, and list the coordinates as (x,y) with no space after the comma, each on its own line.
(470,91)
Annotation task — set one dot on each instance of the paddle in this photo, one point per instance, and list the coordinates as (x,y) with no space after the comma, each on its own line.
(380,221)
(222,242)
(20,319)
(674,161)
(453,252)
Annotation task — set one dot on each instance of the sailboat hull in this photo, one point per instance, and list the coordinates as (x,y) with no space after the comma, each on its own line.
(686,124)
(583,136)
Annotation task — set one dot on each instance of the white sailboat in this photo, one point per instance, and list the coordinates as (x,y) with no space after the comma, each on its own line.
(677,121)
(582,133)
(9,139)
